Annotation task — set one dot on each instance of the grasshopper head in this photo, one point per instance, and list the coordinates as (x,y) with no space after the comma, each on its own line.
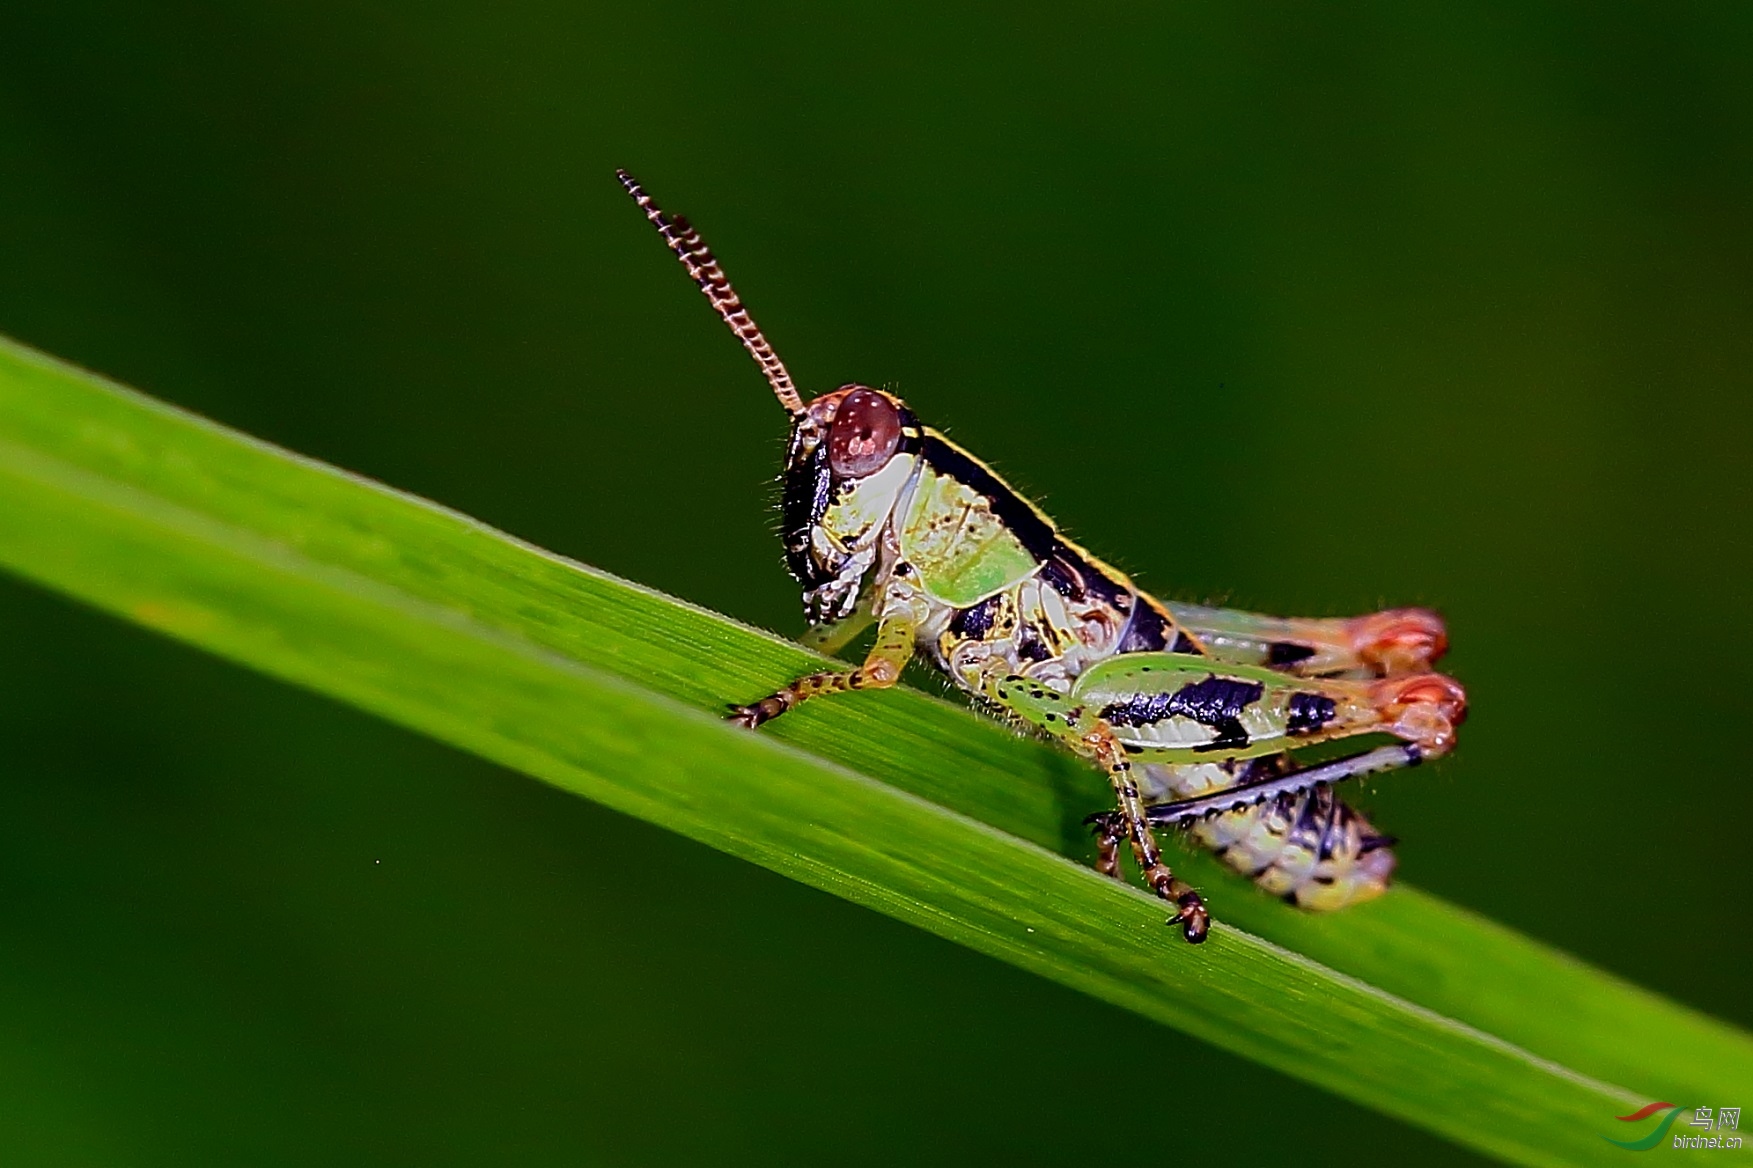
(849,458)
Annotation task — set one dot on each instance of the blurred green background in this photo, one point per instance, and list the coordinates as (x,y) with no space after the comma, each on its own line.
(1305,312)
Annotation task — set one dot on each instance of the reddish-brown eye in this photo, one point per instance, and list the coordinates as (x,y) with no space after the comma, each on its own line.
(866,430)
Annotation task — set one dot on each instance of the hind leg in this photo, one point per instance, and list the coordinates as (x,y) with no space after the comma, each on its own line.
(1381,644)
(1177,708)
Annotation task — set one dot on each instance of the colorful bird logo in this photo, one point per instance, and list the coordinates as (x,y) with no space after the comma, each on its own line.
(1655,1137)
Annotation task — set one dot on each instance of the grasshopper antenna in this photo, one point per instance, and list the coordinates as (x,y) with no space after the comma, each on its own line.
(703,267)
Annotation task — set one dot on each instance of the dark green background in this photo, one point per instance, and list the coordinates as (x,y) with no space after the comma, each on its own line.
(1307,312)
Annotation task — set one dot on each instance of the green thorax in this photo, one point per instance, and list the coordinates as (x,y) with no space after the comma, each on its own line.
(960,547)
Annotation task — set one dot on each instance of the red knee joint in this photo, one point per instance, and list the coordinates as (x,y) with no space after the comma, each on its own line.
(1401,640)
(1423,709)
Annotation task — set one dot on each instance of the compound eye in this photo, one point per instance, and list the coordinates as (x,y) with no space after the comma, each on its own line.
(866,431)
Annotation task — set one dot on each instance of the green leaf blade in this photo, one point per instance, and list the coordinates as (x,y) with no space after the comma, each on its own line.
(395,605)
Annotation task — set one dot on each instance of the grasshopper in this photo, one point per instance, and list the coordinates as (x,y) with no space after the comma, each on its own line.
(1192,712)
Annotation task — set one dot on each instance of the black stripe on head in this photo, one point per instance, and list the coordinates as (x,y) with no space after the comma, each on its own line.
(809,486)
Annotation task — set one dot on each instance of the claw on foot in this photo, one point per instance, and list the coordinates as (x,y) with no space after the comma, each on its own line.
(1190,911)
(1107,832)
(765,710)
(1193,918)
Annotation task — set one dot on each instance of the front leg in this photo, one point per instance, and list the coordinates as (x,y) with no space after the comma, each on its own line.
(828,639)
(881,670)
(1075,725)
